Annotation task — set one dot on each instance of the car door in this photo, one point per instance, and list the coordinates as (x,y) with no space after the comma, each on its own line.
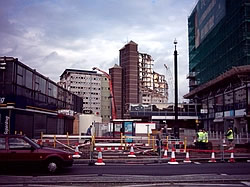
(3,151)
(20,151)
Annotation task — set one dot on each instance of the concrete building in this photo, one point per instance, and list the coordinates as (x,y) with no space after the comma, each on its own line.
(116,78)
(129,61)
(219,64)
(105,100)
(85,84)
(140,84)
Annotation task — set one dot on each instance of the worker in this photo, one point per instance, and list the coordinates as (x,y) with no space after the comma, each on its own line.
(199,139)
(89,133)
(205,139)
(230,136)
(159,141)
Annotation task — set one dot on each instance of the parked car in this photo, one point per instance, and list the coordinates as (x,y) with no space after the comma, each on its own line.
(20,151)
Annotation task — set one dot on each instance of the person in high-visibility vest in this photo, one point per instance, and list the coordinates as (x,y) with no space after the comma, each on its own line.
(230,136)
(199,139)
(205,139)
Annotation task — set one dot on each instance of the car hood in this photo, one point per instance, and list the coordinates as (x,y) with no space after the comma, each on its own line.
(48,149)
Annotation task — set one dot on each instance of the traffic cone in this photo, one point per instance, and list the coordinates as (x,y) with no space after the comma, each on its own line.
(231,157)
(99,159)
(187,159)
(172,159)
(165,155)
(131,153)
(76,154)
(212,157)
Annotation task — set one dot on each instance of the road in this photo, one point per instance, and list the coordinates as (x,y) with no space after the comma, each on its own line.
(234,174)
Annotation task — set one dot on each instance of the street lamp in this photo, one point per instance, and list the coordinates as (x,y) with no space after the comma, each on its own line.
(176,128)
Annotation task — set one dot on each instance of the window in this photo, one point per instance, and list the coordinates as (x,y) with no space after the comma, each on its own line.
(28,79)
(20,75)
(18,143)
(2,143)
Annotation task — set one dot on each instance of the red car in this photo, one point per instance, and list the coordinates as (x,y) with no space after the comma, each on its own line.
(20,150)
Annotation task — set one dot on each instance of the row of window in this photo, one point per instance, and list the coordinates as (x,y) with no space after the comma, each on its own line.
(85,83)
(86,88)
(85,78)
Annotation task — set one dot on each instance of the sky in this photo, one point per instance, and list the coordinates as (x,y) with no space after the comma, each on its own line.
(53,35)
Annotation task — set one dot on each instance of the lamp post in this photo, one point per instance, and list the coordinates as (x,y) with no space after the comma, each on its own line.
(176,127)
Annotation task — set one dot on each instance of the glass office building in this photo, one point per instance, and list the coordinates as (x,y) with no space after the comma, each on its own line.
(219,63)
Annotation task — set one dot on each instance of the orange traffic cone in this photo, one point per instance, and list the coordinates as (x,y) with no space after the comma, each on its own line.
(187,159)
(99,159)
(76,154)
(212,157)
(172,159)
(131,153)
(165,155)
(231,157)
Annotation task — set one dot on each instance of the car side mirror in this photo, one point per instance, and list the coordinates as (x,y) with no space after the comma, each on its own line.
(32,148)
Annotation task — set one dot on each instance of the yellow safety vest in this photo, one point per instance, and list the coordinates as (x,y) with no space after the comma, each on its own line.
(231,135)
(200,136)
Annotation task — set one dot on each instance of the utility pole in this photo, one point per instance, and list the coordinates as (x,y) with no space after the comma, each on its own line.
(176,126)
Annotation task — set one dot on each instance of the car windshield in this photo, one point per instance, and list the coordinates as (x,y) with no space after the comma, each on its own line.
(32,142)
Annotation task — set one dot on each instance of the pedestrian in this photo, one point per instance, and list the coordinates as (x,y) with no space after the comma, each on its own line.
(89,133)
(230,136)
(159,141)
(165,131)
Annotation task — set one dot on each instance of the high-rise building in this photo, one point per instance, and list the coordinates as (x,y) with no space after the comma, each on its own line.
(129,61)
(85,84)
(219,63)
(140,84)
(116,78)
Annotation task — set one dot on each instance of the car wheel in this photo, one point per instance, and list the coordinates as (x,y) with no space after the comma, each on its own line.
(53,165)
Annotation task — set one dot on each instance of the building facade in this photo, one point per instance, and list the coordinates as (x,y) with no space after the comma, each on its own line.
(129,61)
(105,100)
(85,84)
(140,84)
(31,103)
(116,78)
(219,63)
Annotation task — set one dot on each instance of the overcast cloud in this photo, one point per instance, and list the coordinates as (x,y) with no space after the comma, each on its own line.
(52,35)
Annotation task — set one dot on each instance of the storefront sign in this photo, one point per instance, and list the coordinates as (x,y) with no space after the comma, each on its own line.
(219,115)
(240,112)
(66,112)
(229,113)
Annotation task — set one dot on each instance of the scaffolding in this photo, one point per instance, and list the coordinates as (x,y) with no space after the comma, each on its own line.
(226,45)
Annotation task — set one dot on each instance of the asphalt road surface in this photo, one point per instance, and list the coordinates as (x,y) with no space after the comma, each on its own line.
(194,174)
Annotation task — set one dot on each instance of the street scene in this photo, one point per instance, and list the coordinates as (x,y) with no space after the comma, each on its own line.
(125,93)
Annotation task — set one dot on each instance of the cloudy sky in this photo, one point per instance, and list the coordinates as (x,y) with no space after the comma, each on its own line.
(52,35)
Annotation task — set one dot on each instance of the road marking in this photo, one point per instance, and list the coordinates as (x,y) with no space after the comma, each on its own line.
(197,163)
(246,183)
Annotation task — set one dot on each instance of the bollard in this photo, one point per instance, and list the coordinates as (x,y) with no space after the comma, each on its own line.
(54,141)
(68,138)
(41,138)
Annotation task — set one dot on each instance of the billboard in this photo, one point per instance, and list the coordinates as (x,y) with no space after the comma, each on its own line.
(208,13)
